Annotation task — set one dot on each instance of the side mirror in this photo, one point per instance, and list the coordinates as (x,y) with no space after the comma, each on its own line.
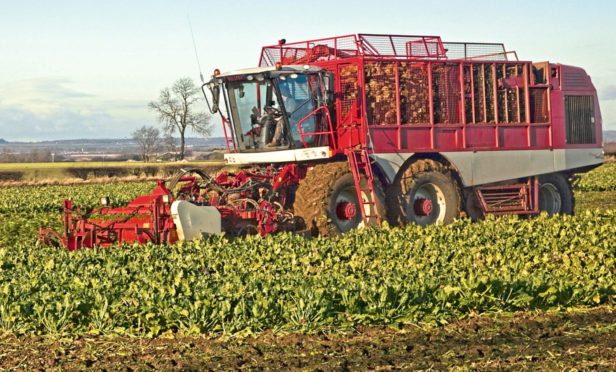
(215,98)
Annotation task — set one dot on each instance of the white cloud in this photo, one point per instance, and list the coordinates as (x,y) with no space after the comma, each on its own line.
(22,125)
(41,96)
(608,114)
(48,108)
(607,93)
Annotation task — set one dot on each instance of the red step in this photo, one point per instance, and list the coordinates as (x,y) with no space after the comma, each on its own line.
(510,198)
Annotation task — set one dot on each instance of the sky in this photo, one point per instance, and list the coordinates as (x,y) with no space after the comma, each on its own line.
(87,69)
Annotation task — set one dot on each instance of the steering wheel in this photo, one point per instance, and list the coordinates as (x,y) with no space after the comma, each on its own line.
(269,110)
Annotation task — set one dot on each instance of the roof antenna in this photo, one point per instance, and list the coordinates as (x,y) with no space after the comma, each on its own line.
(195,47)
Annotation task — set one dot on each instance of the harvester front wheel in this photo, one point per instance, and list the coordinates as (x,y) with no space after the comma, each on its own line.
(555,194)
(424,193)
(327,202)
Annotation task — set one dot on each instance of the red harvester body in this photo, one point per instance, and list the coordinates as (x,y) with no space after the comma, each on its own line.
(335,133)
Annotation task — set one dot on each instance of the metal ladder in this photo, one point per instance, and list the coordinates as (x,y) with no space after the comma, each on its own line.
(228,138)
(362,170)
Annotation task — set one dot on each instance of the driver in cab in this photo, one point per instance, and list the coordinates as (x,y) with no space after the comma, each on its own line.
(269,125)
(290,105)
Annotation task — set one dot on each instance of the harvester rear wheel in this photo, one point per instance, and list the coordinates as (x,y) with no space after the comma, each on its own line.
(555,194)
(424,193)
(327,202)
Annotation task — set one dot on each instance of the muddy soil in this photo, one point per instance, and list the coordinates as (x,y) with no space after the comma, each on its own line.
(581,340)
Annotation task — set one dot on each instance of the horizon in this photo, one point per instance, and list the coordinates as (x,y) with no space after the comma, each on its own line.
(6,142)
(88,70)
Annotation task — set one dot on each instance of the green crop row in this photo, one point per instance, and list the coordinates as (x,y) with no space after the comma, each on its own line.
(49,198)
(602,178)
(373,276)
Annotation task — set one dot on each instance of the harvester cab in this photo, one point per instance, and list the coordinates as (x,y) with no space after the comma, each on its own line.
(274,109)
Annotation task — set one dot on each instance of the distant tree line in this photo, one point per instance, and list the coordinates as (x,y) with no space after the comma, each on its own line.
(7,155)
(33,156)
(167,150)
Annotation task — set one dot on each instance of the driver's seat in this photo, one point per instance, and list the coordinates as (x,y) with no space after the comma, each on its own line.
(267,132)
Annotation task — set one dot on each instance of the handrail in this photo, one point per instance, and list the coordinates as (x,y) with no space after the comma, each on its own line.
(206,100)
(225,123)
(329,121)
(504,54)
(378,46)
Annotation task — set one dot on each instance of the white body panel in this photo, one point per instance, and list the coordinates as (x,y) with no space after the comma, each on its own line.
(283,69)
(192,221)
(482,167)
(283,156)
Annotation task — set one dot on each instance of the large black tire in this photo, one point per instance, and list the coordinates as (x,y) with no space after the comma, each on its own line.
(424,193)
(319,195)
(556,194)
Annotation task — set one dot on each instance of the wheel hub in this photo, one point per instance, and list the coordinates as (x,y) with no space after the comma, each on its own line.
(346,210)
(423,207)
(549,199)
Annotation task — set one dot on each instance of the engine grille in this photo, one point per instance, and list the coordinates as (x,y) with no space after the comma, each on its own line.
(573,80)
(580,119)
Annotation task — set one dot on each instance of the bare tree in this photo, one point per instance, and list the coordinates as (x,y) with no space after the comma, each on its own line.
(8,156)
(37,156)
(147,139)
(170,145)
(176,110)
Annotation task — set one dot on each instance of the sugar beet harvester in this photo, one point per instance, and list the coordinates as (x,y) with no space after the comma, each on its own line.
(331,134)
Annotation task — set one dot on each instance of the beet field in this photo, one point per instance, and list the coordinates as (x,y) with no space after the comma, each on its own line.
(502,293)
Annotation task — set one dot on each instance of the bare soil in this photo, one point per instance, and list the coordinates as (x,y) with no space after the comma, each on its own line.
(580,340)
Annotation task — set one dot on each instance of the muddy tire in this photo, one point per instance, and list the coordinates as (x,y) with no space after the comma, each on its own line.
(326,200)
(424,193)
(555,194)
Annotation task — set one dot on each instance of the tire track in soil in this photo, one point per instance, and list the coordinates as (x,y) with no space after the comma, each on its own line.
(585,339)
